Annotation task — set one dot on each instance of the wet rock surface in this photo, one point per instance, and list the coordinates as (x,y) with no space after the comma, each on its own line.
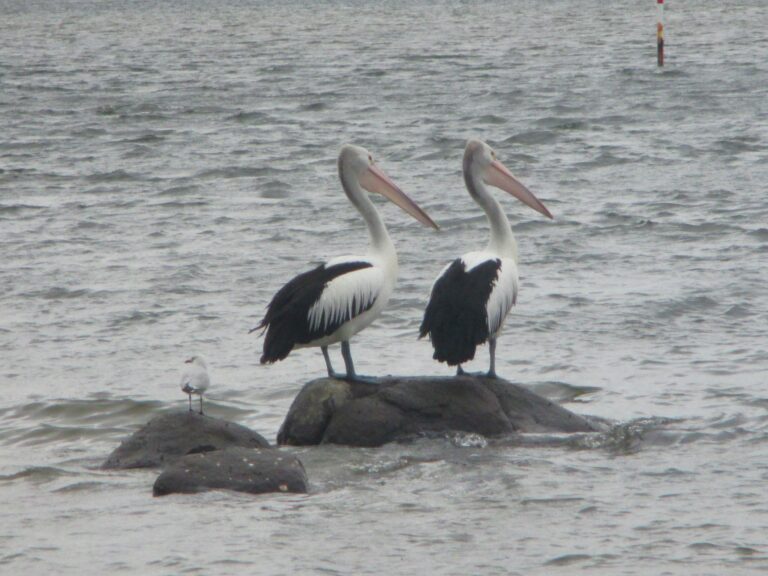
(169,437)
(393,408)
(255,471)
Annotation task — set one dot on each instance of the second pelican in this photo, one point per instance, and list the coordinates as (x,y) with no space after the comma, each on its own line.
(472,296)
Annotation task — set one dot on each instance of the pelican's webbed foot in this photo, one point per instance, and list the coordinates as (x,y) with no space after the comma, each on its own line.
(363,379)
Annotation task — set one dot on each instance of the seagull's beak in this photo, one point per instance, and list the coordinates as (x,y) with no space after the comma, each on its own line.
(499,175)
(374,180)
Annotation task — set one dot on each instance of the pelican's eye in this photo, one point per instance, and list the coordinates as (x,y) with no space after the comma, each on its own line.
(370,158)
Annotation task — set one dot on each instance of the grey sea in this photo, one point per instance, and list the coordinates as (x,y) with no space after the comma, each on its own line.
(165,166)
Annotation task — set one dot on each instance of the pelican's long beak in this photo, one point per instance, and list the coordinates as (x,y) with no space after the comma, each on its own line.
(499,175)
(374,180)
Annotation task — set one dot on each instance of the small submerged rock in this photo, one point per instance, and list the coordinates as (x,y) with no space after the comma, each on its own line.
(168,437)
(393,408)
(255,471)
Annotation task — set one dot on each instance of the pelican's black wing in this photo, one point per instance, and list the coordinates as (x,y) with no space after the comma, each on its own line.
(292,317)
(456,317)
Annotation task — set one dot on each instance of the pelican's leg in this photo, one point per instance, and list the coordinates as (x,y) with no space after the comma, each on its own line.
(351,374)
(331,372)
(460,370)
(347,355)
(201,404)
(190,400)
(492,350)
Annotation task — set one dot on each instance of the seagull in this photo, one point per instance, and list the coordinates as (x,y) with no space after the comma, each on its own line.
(471,297)
(336,300)
(194,379)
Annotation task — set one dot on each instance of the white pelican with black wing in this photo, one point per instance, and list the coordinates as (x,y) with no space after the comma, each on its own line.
(337,299)
(472,296)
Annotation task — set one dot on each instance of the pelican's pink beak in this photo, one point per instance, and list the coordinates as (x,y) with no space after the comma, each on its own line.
(188,361)
(374,180)
(499,175)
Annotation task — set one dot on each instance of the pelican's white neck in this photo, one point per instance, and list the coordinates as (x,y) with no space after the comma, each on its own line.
(502,240)
(381,243)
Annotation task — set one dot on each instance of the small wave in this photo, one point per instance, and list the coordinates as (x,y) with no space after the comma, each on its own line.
(54,419)
(682,307)
(274,189)
(671,72)
(562,392)
(666,473)
(85,486)
(139,152)
(89,132)
(248,117)
(761,234)
(532,137)
(235,172)
(489,119)
(739,311)
(106,110)
(612,119)
(624,438)
(37,474)
(279,68)
(14,209)
(738,144)
(92,225)
(180,189)
(50,433)
(147,138)
(704,228)
(314,107)
(556,501)
(576,301)
(186,290)
(468,440)
(382,467)
(568,559)
(439,155)
(210,109)
(175,204)
(59,293)
(604,159)
(114,176)
(563,123)
(139,317)
(426,57)
(447,143)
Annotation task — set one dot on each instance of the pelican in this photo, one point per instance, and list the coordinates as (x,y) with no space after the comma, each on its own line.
(195,380)
(334,301)
(472,296)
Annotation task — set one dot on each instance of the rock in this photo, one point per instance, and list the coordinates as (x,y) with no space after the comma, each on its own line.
(168,437)
(255,471)
(394,408)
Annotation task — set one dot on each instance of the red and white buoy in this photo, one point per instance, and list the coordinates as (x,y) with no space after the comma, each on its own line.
(660,33)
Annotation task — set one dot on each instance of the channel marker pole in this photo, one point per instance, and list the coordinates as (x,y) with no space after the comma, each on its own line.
(660,33)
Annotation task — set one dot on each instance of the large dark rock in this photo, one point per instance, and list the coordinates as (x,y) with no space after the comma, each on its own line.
(168,437)
(393,408)
(255,471)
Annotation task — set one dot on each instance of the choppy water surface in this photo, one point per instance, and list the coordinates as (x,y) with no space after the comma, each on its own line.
(166,166)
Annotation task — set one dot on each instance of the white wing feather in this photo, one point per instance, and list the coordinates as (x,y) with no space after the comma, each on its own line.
(503,296)
(346,296)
